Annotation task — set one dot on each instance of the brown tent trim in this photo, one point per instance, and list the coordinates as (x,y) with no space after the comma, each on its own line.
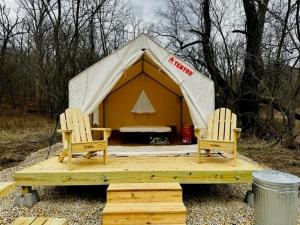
(162,85)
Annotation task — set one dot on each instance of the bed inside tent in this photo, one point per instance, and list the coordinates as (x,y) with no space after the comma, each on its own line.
(144,104)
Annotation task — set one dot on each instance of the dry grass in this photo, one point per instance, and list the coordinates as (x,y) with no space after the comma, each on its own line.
(22,134)
(271,154)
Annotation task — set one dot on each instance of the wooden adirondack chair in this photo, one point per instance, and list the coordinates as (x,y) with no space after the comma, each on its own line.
(77,136)
(221,133)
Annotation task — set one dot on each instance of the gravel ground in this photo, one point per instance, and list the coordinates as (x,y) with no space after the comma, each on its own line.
(206,204)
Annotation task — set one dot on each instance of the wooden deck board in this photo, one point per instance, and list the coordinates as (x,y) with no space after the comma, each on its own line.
(138,169)
(39,221)
(6,188)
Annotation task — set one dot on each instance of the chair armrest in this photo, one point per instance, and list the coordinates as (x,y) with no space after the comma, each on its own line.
(199,132)
(100,129)
(64,131)
(237,132)
(106,132)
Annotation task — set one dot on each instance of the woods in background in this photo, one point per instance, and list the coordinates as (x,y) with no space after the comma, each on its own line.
(46,43)
(249,48)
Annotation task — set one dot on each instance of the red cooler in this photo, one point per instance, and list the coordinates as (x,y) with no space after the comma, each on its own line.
(187,134)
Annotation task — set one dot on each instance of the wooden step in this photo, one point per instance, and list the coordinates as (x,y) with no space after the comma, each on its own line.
(139,213)
(39,221)
(144,192)
(144,186)
(6,188)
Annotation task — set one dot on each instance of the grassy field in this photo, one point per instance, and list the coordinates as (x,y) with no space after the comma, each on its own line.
(21,135)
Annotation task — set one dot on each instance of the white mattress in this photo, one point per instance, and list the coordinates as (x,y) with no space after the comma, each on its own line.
(145,129)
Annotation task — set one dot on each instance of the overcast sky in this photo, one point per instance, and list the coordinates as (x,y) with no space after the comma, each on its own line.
(146,8)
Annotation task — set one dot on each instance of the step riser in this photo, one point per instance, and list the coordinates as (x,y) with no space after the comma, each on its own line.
(144,196)
(144,218)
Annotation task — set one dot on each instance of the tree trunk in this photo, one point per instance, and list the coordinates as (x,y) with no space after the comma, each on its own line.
(254,69)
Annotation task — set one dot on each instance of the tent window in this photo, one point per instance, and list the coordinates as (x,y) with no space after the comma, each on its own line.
(143,104)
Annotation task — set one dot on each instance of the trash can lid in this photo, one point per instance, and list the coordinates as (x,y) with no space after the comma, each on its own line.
(275,177)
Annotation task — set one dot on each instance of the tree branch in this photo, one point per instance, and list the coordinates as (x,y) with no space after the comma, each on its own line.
(239,31)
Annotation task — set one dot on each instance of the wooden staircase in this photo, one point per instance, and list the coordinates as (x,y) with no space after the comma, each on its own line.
(144,203)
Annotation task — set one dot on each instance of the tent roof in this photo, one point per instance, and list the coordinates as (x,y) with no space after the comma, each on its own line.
(146,66)
(88,89)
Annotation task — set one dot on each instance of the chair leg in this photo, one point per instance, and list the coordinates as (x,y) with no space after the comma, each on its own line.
(199,156)
(69,158)
(62,155)
(105,156)
(234,154)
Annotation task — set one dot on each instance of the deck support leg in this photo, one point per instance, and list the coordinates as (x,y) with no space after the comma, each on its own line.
(27,198)
(25,190)
(249,198)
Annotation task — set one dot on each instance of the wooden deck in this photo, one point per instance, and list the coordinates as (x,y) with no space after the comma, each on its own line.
(137,169)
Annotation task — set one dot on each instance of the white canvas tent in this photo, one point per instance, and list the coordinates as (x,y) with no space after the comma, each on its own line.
(89,88)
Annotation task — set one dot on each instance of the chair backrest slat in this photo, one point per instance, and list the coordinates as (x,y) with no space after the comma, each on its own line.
(221,124)
(63,125)
(87,127)
(75,123)
(227,125)
(216,125)
(233,125)
(210,126)
(82,129)
(69,122)
(79,123)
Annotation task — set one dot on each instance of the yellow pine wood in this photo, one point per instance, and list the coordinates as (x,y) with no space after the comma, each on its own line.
(141,169)
(144,203)
(227,125)
(82,130)
(63,126)
(144,219)
(210,126)
(216,145)
(144,196)
(6,188)
(69,141)
(87,127)
(39,221)
(56,221)
(69,122)
(221,124)
(224,134)
(89,146)
(75,123)
(144,192)
(144,186)
(80,139)
(215,131)
(144,207)
(233,125)
(23,221)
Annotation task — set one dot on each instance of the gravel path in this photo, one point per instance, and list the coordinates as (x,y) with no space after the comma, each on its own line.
(206,204)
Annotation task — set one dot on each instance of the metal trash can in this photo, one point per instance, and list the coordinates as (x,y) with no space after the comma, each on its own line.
(275,198)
